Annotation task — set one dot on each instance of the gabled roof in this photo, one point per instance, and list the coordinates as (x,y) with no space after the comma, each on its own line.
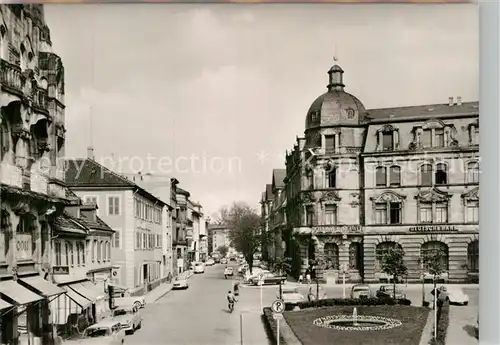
(67,223)
(98,224)
(279,178)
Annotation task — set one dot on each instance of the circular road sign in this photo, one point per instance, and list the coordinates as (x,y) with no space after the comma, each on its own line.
(261,276)
(278,306)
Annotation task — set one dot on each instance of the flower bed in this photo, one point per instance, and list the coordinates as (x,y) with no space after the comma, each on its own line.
(329,302)
(413,320)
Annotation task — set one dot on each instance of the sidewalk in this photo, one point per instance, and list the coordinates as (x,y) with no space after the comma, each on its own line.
(154,295)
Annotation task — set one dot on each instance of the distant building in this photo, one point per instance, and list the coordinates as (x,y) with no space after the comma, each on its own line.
(219,236)
(363,181)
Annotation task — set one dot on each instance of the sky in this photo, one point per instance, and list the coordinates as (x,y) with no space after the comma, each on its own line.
(214,94)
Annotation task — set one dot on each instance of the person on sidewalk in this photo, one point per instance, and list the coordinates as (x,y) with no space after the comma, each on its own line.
(301,279)
(231,299)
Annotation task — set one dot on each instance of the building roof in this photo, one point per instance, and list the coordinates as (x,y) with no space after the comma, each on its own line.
(87,173)
(98,224)
(179,190)
(269,192)
(65,222)
(279,178)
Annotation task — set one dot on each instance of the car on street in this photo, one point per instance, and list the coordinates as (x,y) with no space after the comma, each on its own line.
(223,261)
(269,279)
(228,271)
(290,295)
(452,294)
(129,318)
(242,268)
(122,296)
(387,291)
(106,332)
(360,291)
(180,283)
(210,262)
(199,267)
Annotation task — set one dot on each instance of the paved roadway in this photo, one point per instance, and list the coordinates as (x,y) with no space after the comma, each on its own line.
(199,315)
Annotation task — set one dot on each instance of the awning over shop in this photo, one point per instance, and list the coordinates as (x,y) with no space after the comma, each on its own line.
(17,294)
(41,286)
(89,290)
(77,298)
(4,305)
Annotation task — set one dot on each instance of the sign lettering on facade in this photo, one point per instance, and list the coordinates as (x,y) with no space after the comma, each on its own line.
(62,270)
(23,247)
(338,229)
(433,228)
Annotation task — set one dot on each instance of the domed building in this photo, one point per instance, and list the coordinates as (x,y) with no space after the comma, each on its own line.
(361,181)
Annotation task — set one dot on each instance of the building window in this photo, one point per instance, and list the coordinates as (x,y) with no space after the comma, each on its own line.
(309,216)
(330,144)
(441,212)
(108,249)
(425,212)
(113,205)
(355,256)
(57,252)
(426,138)
(91,199)
(473,172)
(179,253)
(439,137)
(429,251)
(144,241)
(78,253)
(382,249)
(388,141)
(67,252)
(426,175)
(331,251)
(84,252)
(331,177)
(380,177)
(330,214)
(441,174)
(473,256)
(137,240)
(99,251)
(472,211)
(381,213)
(395,176)
(117,238)
(394,213)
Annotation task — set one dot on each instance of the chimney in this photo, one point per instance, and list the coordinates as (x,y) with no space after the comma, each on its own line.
(459,100)
(90,152)
(450,101)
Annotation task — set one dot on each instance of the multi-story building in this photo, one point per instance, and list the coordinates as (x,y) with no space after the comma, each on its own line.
(32,144)
(183,231)
(219,236)
(81,258)
(135,214)
(203,239)
(198,225)
(362,181)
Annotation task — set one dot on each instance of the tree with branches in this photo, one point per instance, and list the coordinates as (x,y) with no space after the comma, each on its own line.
(223,250)
(282,266)
(244,225)
(393,263)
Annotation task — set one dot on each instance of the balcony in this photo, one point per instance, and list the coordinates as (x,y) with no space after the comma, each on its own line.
(12,78)
(40,100)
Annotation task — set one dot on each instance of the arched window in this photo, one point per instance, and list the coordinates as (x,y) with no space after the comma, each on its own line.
(382,249)
(426,175)
(331,177)
(473,172)
(331,251)
(441,174)
(395,176)
(473,256)
(435,252)
(380,177)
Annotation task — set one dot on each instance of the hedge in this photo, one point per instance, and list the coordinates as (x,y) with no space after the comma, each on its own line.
(443,321)
(270,326)
(329,302)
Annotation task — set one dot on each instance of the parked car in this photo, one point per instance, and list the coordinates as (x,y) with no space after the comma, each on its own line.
(228,271)
(199,267)
(106,332)
(269,279)
(361,290)
(129,318)
(290,295)
(180,284)
(452,294)
(388,291)
(243,268)
(223,261)
(122,296)
(210,262)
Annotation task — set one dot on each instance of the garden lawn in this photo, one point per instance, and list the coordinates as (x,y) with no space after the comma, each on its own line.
(413,322)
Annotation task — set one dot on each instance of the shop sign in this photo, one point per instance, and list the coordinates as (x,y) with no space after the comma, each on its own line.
(337,229)
(62,270)
(23,247)
(433,228)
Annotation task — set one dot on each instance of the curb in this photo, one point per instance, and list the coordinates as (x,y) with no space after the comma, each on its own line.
(162,295)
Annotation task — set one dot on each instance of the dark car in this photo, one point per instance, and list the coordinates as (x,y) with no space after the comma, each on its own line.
(270,279)
(387,291)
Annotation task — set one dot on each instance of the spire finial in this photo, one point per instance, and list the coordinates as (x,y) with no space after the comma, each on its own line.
(335,56)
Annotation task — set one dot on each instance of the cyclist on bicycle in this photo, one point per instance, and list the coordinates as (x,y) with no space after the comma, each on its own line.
(231,300)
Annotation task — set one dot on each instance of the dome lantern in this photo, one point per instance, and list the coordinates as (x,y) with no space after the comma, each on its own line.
(336,79)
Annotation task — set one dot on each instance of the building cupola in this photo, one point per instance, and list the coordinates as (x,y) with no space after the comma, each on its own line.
(336,82)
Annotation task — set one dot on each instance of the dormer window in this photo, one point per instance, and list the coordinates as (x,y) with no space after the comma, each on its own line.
(439,137)
(426,138)
(387,141)
(387,138)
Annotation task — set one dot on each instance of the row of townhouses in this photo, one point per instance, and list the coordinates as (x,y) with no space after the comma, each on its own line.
(362,181)
(71,228)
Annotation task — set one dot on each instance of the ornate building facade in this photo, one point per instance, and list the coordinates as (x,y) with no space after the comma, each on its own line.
(364,180)
(32,138)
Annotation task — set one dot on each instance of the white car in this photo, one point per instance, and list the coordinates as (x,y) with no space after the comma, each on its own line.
(210,262)
(180,284)
(106,332)
(291,295)
(122,296)
(129,318)
(199,267)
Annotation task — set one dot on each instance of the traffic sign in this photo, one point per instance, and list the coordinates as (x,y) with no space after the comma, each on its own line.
(261,276)
(278,306)
(278,316)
